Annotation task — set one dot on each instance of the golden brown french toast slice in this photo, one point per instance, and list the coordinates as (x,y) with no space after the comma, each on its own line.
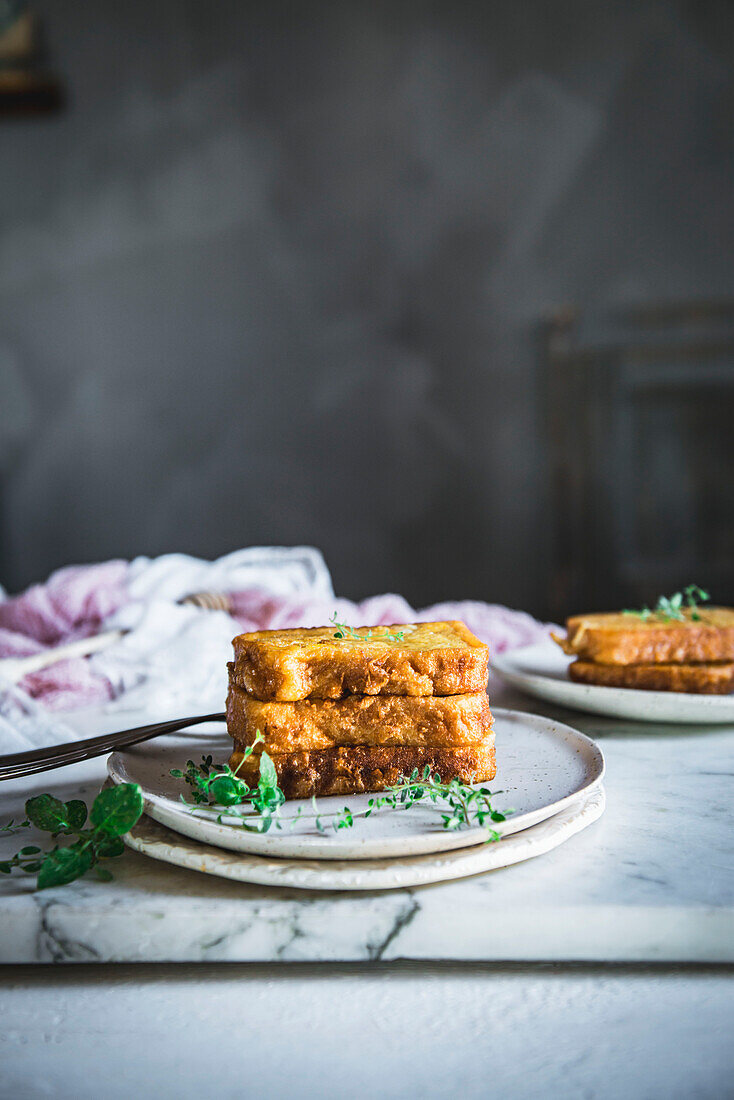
(408,659)
(436,721)
(703,679)
(626,639)
(360,768)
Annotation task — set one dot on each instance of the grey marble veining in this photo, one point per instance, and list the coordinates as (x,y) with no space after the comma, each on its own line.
(652,880)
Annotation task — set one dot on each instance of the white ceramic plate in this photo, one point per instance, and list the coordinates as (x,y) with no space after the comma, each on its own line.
(157,841)
(542,766)
(542,670)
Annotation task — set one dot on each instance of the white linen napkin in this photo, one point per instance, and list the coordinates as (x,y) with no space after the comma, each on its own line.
(173,660)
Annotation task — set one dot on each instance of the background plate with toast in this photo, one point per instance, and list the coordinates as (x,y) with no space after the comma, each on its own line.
(542,670)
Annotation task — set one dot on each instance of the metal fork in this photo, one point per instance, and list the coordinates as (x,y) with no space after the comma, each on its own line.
(17,764)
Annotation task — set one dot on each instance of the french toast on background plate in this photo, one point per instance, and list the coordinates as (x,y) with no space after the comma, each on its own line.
(704,679)
(623,638)
(677,648)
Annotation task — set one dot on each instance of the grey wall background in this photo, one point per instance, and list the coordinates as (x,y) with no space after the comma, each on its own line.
(274,275)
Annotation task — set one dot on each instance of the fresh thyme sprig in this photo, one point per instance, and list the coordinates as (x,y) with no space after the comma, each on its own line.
(465,805)
(672,608)
(218,785)
(114,812)
(344,631)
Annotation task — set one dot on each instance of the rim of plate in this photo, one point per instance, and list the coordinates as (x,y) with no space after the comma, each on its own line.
(154,840)
(200,825)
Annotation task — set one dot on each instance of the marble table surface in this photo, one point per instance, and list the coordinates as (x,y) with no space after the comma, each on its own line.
(652,881)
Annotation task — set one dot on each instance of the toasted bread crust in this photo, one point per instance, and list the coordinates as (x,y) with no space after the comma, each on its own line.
(618,639)
(703,679)
(289,665)
(438,721)
(362,768)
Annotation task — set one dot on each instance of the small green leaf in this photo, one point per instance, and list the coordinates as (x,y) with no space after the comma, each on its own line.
(117,809)
(695,595)
(64,866)
(103,874)
(5,868)
(106,846)
(268,772)
(344,631)
(76,813)
(47,813)
(228,791)
(29,850)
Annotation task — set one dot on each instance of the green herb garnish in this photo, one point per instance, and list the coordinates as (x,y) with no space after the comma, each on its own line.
(344,631)
(218,785)
(465,805)
(114,812)
(671,608)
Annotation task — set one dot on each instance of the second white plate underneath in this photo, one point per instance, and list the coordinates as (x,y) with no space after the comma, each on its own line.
(542,766)
(157,841)
(542,670)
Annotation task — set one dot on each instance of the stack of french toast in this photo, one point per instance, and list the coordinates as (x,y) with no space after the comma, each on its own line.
(692,653)
(342,710)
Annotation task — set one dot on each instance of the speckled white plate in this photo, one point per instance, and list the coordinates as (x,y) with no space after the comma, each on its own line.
(542,670)
(154,839)
(542,766)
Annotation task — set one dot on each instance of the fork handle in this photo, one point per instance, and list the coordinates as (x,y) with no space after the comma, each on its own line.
(17,764)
